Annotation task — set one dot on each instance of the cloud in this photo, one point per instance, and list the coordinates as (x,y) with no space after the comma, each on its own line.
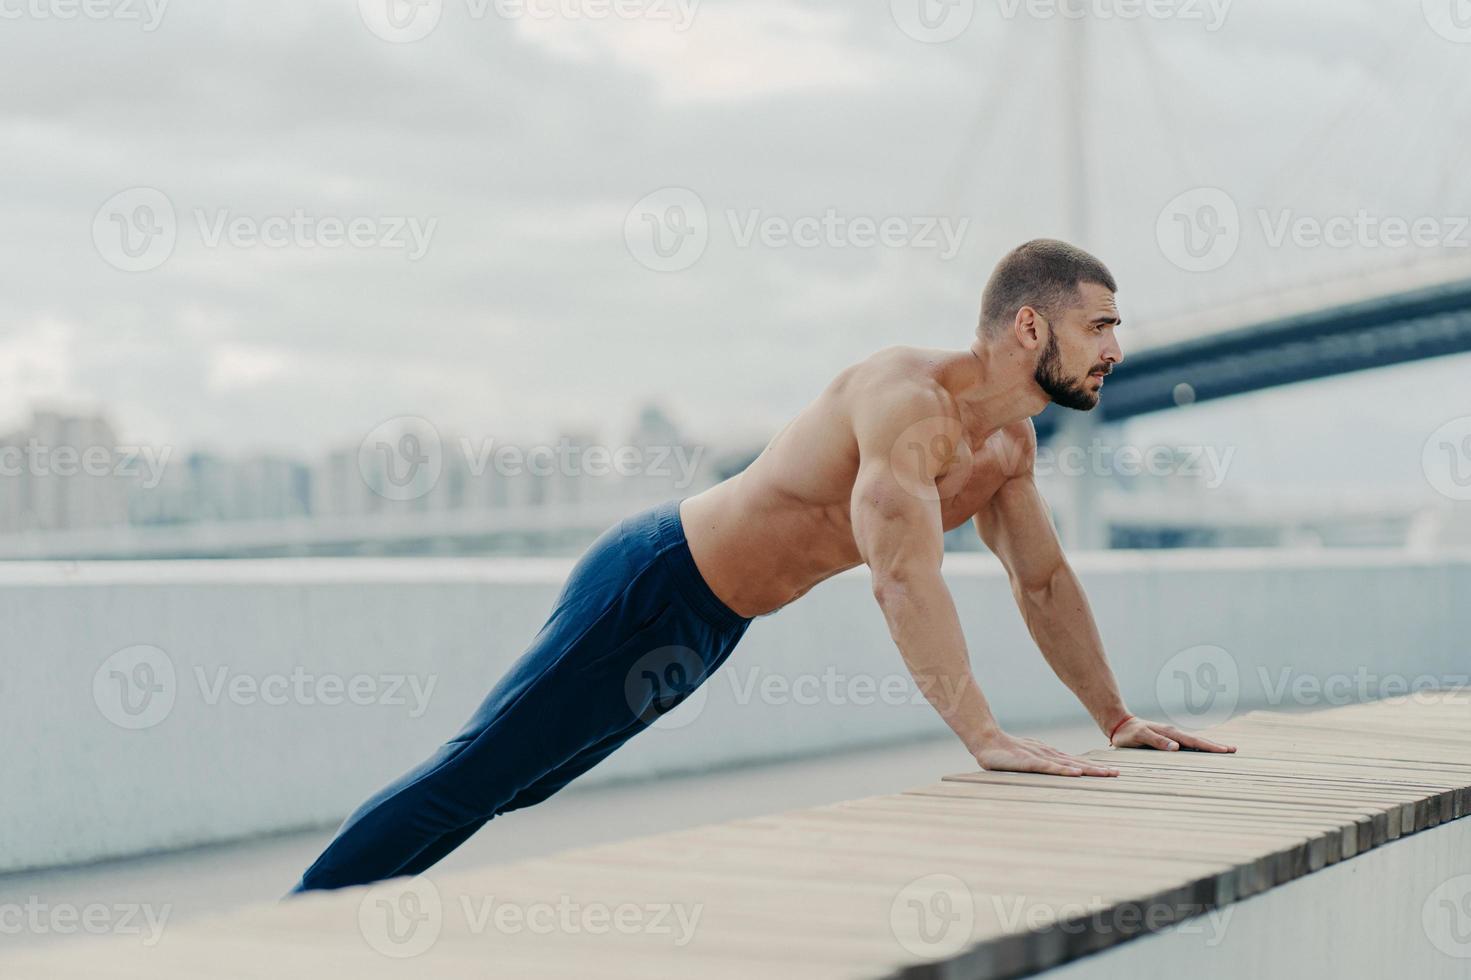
(37,366)
(235,366)
(719,52)
(530,139)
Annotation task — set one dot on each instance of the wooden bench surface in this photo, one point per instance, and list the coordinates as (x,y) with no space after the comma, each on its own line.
(978,875)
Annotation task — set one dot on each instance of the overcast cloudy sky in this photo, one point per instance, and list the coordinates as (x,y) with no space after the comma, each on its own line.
(826,178)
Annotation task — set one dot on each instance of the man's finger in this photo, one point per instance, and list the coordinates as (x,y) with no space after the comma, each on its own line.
(1156,740)
(1038,761)
(1198,742)
(1091,769)
(1083,766)
(1057,768)
(1075,762)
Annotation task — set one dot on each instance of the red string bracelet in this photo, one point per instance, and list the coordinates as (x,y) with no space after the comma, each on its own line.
(1117,727)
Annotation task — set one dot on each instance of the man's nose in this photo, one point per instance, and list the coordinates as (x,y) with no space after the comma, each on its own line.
(1113,353)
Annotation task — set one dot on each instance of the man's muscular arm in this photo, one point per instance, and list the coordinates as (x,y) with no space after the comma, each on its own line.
(1016,526)
(897,525)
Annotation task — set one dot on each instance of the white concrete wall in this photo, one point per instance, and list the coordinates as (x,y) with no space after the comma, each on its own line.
(86,779)
(1401,910)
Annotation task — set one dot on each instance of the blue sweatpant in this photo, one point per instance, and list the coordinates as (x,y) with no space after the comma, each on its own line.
(633,632)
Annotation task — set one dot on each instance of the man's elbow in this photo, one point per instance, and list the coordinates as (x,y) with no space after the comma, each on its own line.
(895,586)
(889,591)
(1037,587)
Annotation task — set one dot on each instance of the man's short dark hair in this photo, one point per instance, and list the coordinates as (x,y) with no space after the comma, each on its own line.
(1043,274)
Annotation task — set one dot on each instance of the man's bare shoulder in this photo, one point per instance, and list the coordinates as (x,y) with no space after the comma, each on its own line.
(899,379)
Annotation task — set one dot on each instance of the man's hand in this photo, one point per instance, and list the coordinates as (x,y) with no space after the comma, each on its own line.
(1003,753)
(1136,733)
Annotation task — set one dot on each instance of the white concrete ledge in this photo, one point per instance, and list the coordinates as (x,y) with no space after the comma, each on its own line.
(1395,911)
(299,686)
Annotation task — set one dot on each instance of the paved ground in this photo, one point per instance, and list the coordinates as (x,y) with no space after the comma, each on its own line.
(186,884)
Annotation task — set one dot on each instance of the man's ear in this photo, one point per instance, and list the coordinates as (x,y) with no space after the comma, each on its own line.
(1027,328)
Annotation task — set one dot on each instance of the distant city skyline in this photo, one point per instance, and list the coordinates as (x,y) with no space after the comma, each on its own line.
(1294,437)
(72,473)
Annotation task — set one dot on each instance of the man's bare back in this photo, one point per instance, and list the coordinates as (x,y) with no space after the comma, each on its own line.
(769,534)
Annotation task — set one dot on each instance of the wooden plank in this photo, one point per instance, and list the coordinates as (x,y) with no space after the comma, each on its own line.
(1019,871)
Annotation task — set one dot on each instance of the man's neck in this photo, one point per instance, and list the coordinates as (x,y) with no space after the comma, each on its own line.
(994,388)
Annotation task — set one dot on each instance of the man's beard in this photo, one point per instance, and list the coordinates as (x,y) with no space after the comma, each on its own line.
(1065,392)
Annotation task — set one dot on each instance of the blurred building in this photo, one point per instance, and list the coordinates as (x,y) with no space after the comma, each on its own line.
(62,472)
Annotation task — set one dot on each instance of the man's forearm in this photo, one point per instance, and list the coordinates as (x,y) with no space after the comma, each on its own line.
(924,624)
(1060,621)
